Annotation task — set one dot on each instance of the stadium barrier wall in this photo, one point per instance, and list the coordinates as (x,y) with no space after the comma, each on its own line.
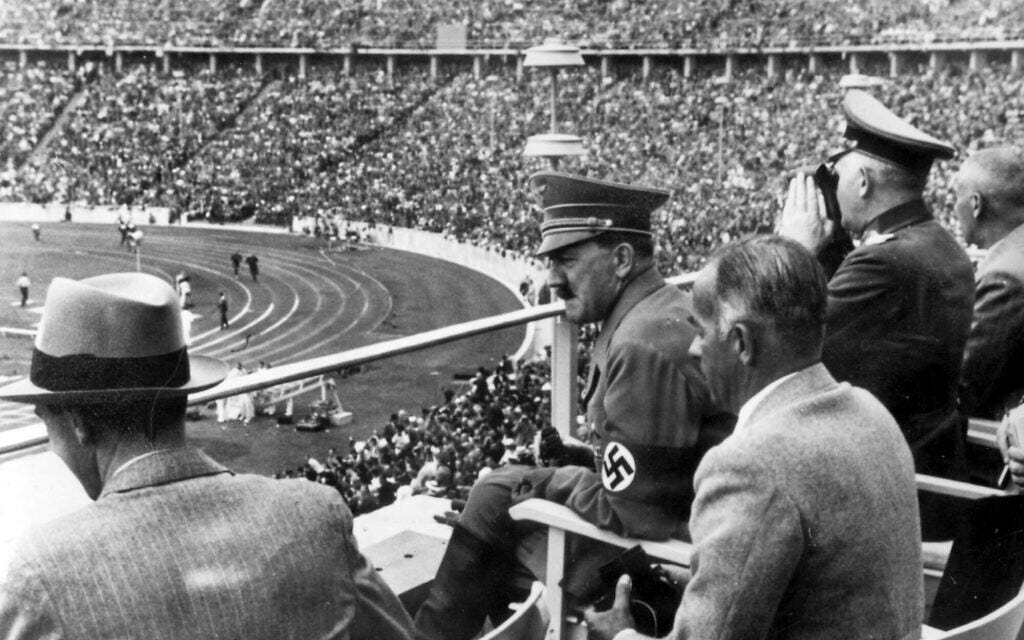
(507,270)
(55,212)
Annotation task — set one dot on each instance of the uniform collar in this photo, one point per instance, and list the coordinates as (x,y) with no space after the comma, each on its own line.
(162,467)
(639,288)
(902,215)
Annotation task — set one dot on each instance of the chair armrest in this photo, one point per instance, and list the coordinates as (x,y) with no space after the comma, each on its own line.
(955,488)
(935,555)
(561,517)
(982,432)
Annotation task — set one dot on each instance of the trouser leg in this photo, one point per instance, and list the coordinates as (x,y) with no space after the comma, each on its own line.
(475,575)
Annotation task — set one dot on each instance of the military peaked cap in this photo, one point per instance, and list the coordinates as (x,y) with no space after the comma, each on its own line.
(879,132)
(578,208)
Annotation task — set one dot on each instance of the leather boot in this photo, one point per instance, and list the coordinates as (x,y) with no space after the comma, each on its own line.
(468,586)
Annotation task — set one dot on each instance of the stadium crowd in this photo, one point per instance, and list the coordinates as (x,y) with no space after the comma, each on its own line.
(505,23)
(445,449)
(231,145)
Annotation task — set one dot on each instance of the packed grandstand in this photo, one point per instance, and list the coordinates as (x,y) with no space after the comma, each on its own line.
(324,24)
(444,154)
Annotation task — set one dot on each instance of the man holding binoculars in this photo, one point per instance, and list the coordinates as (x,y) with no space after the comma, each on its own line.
(900,303)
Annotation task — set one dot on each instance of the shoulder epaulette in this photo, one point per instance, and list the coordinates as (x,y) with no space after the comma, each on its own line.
(878,238)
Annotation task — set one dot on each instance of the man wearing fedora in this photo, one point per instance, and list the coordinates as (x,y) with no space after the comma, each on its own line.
(176,545)
(647,405)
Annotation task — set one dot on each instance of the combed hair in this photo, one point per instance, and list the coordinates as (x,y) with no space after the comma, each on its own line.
(642,243)
(773,280)
(999,176)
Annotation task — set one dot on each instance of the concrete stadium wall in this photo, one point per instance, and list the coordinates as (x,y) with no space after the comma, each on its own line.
(507,270)
(54,212)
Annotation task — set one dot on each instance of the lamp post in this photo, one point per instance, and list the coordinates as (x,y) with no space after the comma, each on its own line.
(554,55)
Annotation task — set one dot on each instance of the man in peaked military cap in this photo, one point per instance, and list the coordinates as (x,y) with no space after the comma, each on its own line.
(646,403)
(899,305)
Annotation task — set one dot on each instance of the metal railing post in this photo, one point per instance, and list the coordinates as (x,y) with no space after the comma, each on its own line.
(565,337)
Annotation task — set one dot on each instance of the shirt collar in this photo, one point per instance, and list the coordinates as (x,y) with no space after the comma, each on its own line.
(748,407)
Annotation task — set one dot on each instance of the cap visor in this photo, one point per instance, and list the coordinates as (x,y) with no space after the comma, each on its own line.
(555,241)
(205,373)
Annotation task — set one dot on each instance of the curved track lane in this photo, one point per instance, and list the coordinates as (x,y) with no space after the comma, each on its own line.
(306,303)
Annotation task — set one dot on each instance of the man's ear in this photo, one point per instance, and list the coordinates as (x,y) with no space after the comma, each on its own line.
(623,257)
(864,184)
(977,203)
(743,341)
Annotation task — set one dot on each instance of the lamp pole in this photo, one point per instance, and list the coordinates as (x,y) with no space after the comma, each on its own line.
(553,145)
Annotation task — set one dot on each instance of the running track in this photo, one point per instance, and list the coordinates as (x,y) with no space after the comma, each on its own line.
(307,303)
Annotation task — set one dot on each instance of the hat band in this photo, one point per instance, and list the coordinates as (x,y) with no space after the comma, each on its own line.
(595,230)
(86,372)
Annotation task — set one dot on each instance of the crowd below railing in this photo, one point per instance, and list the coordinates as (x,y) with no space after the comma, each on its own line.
(622,24)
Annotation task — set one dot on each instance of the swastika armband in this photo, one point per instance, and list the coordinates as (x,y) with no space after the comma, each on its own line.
(657,475)
(618,468)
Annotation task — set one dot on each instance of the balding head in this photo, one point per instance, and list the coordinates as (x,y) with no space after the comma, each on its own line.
(990,194)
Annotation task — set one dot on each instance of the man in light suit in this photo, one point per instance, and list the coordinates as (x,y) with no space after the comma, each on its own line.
(990,208)
(805,522)
(176,545)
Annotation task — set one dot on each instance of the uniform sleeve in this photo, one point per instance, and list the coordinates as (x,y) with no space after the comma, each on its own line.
(864,278)
(378,613)
(995,330)
(748,540)
(858,300)
(25,609)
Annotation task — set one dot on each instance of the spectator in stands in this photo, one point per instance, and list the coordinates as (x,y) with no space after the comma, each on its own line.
(253,558)
(805,520)
(990,207)
(899,306)
(647,403)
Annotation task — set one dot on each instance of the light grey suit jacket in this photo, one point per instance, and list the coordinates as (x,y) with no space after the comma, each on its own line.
(177,546)
(805,523)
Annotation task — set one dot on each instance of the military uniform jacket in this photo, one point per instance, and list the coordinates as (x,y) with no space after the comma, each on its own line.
(805,523)
(647,403)
(899,309)
(993,372)
(176,547)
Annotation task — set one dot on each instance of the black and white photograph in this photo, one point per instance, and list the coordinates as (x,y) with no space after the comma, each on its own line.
(512,319)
